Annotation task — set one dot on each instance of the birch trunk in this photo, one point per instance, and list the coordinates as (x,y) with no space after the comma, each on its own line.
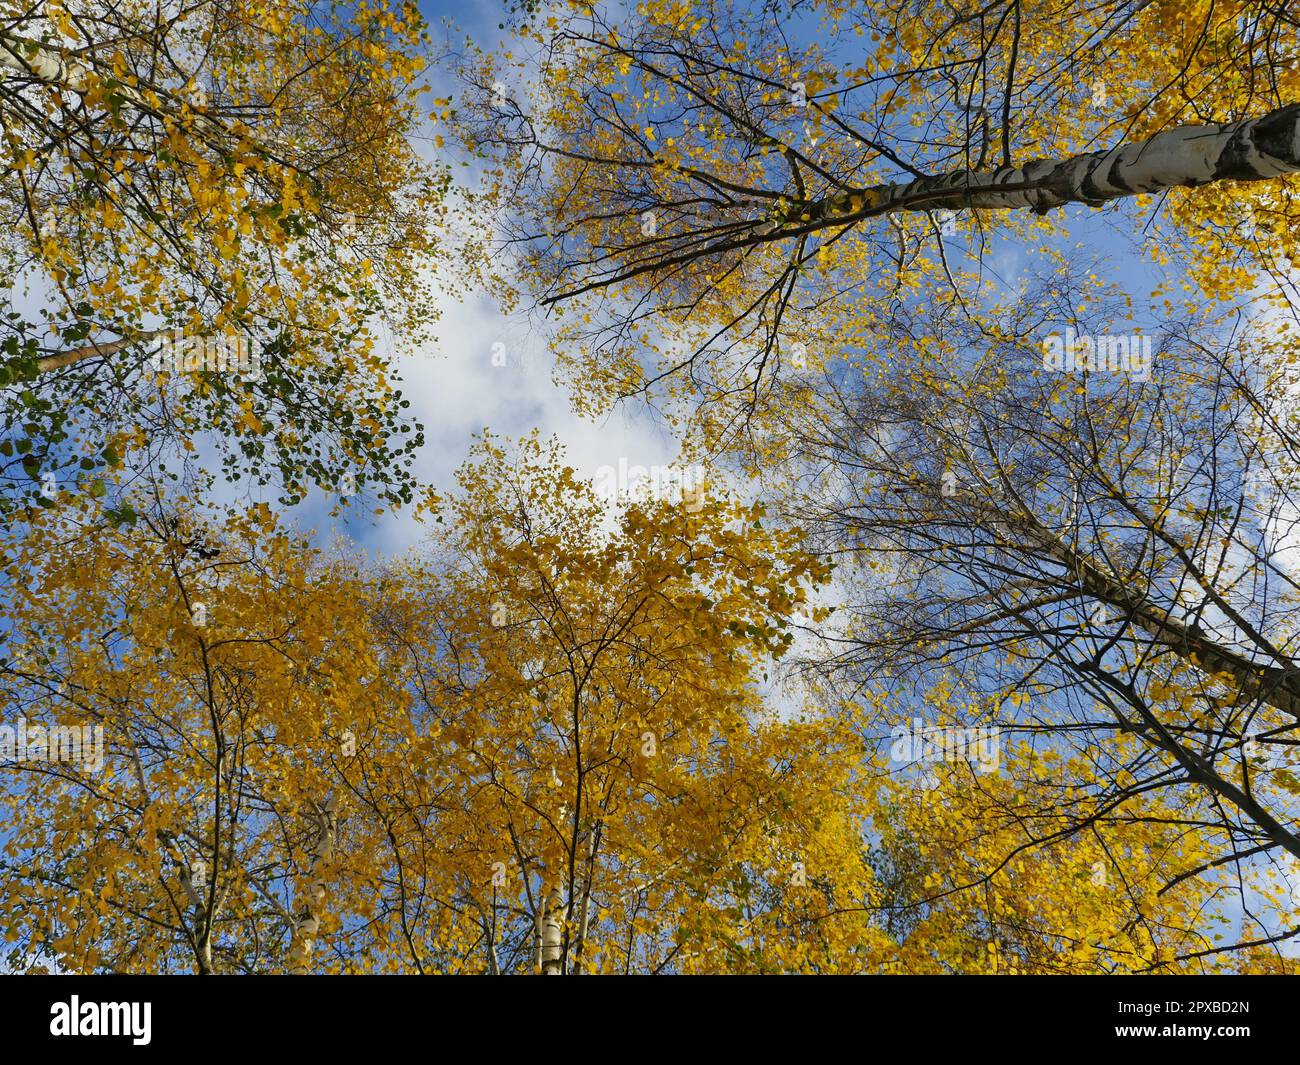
(45,62)
(74,355)
(552,933)
(584,919)
(1254,149)
(307,921)
(1270,684)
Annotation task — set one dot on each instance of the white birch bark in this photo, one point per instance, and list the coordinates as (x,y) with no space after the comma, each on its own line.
(42,61)
(312,904)
(552,933)
(1254,149)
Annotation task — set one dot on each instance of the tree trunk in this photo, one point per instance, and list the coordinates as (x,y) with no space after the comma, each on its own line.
(42,61)
(1254,149)
(307,922)
(552,934)
(61,359)
(1270,684)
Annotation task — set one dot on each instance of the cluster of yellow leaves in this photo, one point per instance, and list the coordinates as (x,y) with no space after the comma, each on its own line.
(553,697)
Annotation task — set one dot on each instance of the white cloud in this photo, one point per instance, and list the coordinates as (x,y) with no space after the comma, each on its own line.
(456,391)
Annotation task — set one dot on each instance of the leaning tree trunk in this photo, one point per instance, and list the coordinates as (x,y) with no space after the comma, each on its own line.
(308,918)
(1253,149)
(1269,684)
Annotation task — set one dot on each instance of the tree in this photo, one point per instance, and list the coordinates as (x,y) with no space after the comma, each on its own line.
(991,873)
(741,180)
(211,692)
(208,206)
(297,752)
(543,747)
(625,800)
(794,224)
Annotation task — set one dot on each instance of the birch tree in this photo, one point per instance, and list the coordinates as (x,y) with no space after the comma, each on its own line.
(207,207)
(730,176)
(837,244)
(543,744)
(223,695)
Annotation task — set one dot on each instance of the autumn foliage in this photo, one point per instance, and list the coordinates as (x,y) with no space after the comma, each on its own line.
(971,654)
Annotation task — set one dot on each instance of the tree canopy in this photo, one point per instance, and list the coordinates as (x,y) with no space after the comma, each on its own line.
(973,648)
(209,208)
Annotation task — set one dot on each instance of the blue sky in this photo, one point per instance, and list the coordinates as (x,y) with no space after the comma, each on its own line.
(457,392)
